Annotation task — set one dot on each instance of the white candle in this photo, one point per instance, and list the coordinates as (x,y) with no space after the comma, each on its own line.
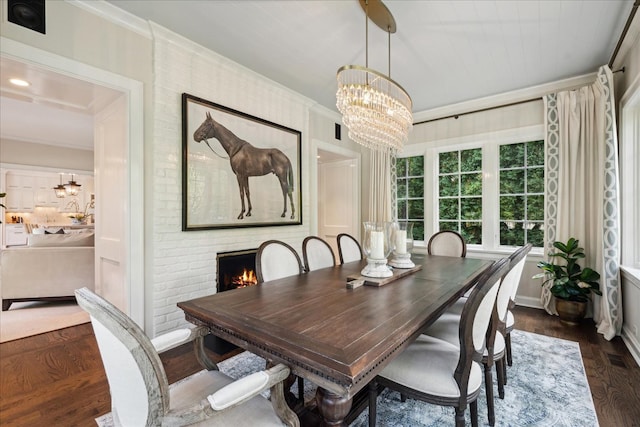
(401,241)
(377,245)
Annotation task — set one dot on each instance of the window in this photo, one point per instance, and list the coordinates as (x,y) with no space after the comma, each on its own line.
(521,180)
(410,193)
(460,193)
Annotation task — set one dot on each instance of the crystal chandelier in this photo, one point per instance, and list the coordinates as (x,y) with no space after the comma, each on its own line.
(375,109)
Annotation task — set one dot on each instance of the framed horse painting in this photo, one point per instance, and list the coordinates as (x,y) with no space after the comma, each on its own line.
(237,170)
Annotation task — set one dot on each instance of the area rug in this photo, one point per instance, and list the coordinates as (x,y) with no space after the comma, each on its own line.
(546,386)
(24,319)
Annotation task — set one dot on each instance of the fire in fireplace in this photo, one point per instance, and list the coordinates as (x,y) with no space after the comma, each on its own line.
(236,269)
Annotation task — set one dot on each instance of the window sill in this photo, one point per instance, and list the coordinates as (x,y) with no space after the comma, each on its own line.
(479,252)
(631,274)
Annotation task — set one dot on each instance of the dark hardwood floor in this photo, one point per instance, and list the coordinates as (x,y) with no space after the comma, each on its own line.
(57,378)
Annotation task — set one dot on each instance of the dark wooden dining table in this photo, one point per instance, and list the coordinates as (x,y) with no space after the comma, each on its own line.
(335,337)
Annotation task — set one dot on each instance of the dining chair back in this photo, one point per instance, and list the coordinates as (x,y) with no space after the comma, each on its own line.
(447,243)
(507,320)
(276,259)
(142,396)
(349,248)
(317,254)
(439,372)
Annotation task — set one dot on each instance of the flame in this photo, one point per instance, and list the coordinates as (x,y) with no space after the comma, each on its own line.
(248,278)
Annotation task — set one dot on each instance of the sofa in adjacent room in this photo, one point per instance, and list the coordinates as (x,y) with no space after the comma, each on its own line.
(50,267)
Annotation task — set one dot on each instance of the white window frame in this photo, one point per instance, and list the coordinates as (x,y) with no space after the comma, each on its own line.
(630,176)
(489,142)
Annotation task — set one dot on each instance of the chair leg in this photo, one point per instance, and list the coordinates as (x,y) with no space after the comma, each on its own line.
(488,385)
(301,389)
(501,378)
(507,341)
(460,418)
(373,397)
(403,397)
(474,413)
(504,371)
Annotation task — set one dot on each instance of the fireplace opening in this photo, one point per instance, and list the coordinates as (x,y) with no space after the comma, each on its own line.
(234,269)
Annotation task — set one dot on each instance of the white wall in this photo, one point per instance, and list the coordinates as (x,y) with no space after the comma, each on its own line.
(183,263)
(31,154)
(627,85)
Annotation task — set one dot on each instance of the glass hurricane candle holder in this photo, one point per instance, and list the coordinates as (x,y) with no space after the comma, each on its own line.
(402,237)
(377,245)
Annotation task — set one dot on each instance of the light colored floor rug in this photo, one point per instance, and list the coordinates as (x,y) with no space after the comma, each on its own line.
(24,319)
(546,386)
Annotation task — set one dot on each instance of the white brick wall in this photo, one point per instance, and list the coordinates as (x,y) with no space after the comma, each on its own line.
(183,263)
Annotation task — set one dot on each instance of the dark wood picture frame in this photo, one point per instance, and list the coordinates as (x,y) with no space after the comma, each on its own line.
(224,150)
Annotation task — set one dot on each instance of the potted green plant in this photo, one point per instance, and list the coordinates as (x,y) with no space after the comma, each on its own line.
(570,283)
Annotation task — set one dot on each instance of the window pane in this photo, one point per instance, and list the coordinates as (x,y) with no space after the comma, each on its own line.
(416,187)
(402,209)
(511,234)
(512,181)
(535,208)
(418,230)
(410,192)
(472,232)
(511,207)
(401,167)
(401,191)
(535,153)
(461,175)
(448,185)
(448,162)
(511,156)
(471,184)
(449,209)
(471,160)
(535,180)
(416,166)
(446,225)
(471,208)
(535,236)
(416,209)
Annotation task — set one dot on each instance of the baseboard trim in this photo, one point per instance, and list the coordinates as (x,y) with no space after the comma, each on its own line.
(531,302)
(632,345)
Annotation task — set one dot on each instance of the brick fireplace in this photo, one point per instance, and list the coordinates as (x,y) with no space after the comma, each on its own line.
(234,269)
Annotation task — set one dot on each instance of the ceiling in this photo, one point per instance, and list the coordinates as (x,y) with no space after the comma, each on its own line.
(54,110)
(443,53)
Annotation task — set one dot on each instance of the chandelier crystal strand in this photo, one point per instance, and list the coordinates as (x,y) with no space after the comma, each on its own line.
(375,109)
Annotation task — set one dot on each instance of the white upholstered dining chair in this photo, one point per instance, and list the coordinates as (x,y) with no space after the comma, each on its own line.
(275,260)
(349,248)
(441,373)
(506,325)
(142,396)
(446,327)
(317,254)
(447,243)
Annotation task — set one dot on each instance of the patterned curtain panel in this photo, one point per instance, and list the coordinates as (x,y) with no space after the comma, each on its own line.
(583,188)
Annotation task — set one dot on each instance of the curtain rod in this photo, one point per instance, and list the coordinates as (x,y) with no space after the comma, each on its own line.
(511,104)
(624,32)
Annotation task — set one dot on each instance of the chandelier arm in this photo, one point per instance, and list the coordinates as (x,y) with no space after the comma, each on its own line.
(389,38)
(366,34)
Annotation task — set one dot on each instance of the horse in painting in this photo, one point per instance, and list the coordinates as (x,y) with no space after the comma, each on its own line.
(247,160)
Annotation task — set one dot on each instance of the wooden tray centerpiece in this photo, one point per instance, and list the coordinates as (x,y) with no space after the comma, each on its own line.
(397,273)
